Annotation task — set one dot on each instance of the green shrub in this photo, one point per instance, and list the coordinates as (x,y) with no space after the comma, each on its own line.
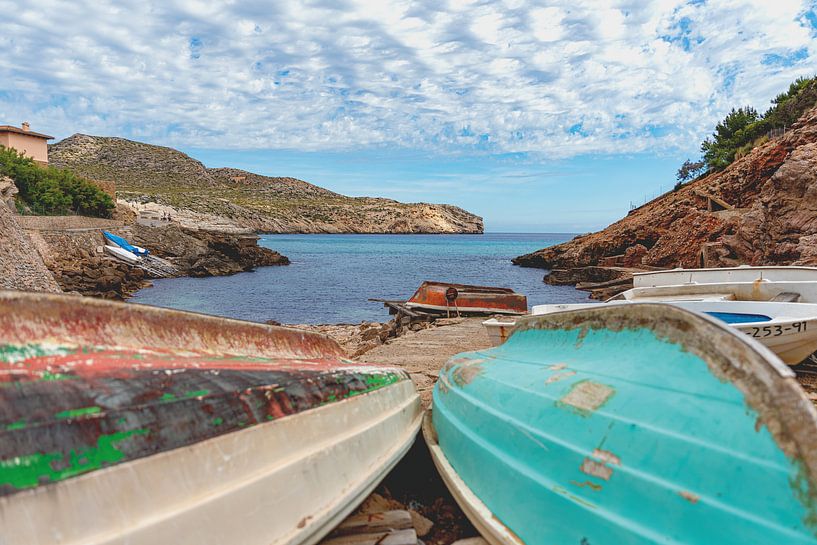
(741,129)
(53,191)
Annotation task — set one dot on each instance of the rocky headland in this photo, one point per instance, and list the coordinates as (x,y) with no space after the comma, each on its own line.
(156,181)
(760,210)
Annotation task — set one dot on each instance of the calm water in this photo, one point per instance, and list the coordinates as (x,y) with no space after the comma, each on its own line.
(332,276)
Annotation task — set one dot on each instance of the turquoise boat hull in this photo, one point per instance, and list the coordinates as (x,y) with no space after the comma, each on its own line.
(638,424)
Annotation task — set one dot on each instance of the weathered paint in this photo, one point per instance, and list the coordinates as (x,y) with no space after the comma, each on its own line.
(81,396)
(469,299)
(690,418)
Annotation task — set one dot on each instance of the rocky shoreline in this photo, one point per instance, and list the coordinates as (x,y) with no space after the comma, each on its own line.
(87,270)
(760,210)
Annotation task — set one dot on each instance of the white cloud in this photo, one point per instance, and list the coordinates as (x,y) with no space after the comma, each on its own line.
(454,77)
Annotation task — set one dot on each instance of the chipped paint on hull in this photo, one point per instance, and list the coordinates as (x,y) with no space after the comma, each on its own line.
(69,408)
(654,439)
(469,299)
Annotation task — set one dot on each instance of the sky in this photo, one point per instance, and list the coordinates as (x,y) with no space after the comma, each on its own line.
(538,116)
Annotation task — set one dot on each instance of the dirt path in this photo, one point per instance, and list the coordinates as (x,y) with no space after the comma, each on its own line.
(423,353)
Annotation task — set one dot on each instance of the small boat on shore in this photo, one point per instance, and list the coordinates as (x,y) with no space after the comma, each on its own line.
(124,244)
(788,329)
(467,299)
(674,277)
(122,254)
(627,424)
(122,423)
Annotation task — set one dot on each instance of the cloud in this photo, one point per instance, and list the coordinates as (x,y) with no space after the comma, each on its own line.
(457,77)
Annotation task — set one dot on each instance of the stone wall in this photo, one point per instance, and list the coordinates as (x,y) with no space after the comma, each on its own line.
(21,267)
(60,223)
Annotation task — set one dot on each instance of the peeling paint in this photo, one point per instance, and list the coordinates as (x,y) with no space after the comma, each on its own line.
(76,413)
(586,396)
(689,496)
(596,469)
(560,376)
(30,470)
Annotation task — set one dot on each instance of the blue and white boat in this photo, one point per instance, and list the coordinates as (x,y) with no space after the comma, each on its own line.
(125,245)
(633,424)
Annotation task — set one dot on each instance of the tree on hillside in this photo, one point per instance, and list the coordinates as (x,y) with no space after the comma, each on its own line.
(743,129)
(689,170)
(730,134)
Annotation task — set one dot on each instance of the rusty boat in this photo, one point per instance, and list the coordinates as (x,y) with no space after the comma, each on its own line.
(629,424)
(129,424)
(468,300)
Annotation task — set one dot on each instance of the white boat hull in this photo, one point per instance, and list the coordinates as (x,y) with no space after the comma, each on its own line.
(760,290)
(791,332)
(122,254)
(725,275)
(498,330)
(286,482)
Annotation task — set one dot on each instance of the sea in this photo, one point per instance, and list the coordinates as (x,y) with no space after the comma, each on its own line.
(332,277)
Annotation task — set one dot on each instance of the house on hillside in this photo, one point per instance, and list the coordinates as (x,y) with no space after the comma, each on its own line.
(24,140)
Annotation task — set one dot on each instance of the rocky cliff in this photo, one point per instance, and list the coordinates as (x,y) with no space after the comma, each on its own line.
(184,189)
(762,209)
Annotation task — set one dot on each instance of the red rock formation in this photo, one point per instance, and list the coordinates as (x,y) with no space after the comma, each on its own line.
(770,217)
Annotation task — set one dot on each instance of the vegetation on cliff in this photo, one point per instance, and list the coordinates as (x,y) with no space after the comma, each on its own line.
(743,129)
(145,173)
(53,191)
(759,210)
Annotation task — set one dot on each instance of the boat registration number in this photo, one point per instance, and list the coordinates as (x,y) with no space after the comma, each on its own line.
(777,330)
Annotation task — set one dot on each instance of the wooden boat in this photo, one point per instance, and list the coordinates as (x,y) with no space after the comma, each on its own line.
(139,425)
(627,424)
(741,274)
(124,255)
(465,299)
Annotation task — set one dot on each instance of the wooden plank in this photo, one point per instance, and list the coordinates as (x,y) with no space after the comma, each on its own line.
(389,537)
(374,522)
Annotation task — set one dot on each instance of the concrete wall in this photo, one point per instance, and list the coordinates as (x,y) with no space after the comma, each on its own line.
(36,148)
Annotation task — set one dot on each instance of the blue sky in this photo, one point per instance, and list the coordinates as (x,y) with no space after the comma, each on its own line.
(539,116)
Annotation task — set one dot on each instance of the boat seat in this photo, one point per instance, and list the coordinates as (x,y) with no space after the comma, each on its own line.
(786,297)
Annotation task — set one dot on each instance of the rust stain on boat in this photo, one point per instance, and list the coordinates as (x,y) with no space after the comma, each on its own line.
(468,299)
(587,484)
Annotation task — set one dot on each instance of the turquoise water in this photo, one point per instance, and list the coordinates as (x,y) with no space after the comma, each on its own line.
(332,276)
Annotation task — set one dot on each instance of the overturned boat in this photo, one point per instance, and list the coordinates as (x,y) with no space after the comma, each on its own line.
(467,299)
(638,424)
(130,424)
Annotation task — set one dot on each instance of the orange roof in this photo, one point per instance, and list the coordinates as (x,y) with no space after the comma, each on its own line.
(18,130)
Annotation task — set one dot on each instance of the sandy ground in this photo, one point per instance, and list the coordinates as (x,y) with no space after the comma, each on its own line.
(423,353)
